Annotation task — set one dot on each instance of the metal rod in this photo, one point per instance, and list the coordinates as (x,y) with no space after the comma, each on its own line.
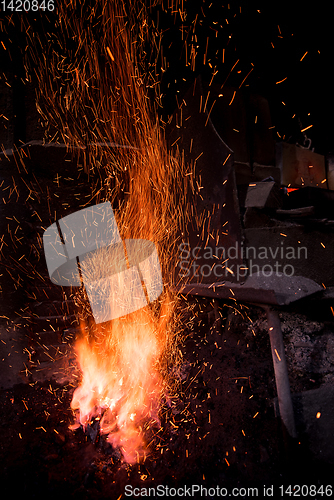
(281,371)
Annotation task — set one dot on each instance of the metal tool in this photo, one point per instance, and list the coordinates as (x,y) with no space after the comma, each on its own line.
(192,133)
(267,292)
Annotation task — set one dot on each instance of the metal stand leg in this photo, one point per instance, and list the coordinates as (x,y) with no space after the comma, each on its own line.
(281,372)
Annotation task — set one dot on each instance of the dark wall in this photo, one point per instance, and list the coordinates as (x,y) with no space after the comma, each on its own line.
(267,37)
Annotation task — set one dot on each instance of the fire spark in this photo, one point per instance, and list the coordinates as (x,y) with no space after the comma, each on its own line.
(107,116)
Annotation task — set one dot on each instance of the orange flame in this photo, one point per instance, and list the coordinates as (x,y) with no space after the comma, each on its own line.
(121,382)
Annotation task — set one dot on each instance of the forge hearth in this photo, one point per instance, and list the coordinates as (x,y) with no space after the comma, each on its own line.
(224,416)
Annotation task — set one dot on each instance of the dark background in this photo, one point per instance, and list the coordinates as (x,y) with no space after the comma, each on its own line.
(270,36)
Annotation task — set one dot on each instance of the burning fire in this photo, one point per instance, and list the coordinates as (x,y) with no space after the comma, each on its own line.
(96,97)
(122,365)
(120,360)
(122,384)
(122,368)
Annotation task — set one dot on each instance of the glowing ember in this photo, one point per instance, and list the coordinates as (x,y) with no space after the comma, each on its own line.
(121,381)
